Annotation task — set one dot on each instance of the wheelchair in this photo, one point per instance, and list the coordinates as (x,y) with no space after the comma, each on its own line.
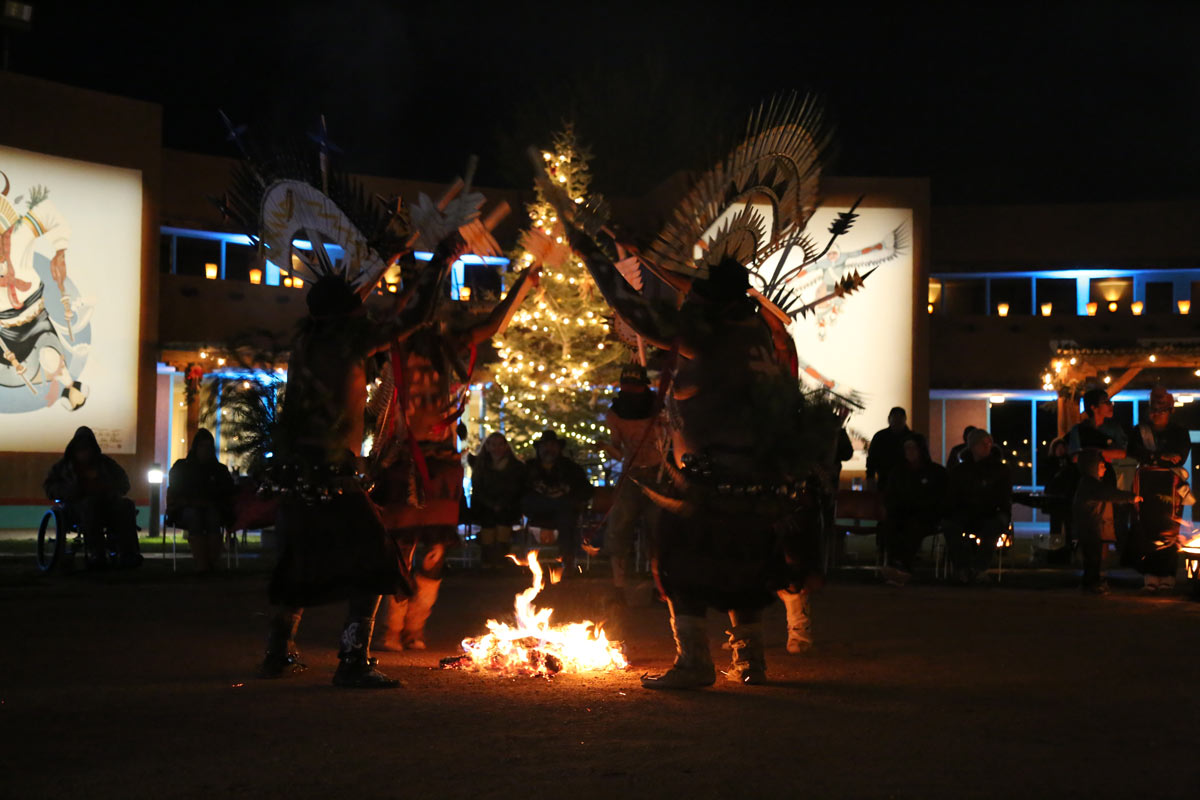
(60,538)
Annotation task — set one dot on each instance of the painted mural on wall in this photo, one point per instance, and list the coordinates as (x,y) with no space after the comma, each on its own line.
(70,267)
(860,345)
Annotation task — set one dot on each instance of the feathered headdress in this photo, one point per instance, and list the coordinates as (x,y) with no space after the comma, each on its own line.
(777,164)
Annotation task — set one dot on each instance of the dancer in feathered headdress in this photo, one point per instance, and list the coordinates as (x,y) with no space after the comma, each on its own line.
(335,545)
(743,439)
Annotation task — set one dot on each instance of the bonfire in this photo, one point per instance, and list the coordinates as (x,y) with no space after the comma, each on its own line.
(532,646)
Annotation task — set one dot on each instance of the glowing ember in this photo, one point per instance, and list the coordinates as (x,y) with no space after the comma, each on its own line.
(535,647)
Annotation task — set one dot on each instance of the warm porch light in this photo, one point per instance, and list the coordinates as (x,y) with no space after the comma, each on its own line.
(1092,308)
(996,399)
(1136,307)
(297,282)
(1184,306)
(931,308)
(1047,308)
(1112,306)
(288,281)
(256,276)
(210,271)
(464,293)
(1002,309)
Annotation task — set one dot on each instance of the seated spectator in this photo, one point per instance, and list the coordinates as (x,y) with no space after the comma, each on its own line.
(1060,493)
(956,452)
(915,499)
(1092,513)
(557,489)
(92,487)
(497,483)
(979,507)
(200,500)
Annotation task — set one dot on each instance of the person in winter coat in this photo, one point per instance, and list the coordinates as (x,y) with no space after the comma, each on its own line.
(93,486)
(1159,442)
(556,492)
(636,433)
(200,499)
(979,507)
(915,499)
(1092,513)
(497,483)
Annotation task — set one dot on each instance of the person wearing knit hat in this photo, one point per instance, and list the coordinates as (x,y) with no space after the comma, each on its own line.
(1162,444)
(636,430)
(1092,516)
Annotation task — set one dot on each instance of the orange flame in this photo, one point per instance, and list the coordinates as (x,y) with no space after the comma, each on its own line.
(535,647)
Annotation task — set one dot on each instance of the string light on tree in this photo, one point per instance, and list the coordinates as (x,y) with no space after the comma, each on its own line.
(557,345)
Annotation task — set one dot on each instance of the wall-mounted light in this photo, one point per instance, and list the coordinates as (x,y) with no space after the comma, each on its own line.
(931,308)
(297,282)
(1136,307)
(1184,306)
(1112,307)
(288,281)
(1153,358)
(256,276)
(210,271)
(935,290)
(1002,309)
(996,399)
(464,293)
(1047,308)
(1092,308)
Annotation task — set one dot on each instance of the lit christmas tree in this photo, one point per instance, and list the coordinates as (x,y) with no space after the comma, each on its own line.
(559,360)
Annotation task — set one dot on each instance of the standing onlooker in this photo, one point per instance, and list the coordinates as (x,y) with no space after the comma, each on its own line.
(956,452)
(1092,513)
(1060,494)
(497,482)
(636,430)
(1160,443)
(92,486)
(557,489)
(915,499)
(979,507)
(1094,431)
(885,452)
(200,499)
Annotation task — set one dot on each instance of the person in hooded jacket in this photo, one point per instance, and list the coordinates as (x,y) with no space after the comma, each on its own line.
(497,483)
(914,499)
(92,487)
(1092,514)
(200,499)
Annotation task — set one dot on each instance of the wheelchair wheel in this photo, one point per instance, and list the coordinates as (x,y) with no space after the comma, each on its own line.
(51,540)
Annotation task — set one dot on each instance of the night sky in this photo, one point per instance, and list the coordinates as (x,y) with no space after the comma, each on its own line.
(1016,103)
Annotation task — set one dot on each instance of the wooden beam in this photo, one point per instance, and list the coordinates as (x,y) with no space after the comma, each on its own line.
(1123,381)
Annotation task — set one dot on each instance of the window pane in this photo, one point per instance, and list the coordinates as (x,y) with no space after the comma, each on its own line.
(192,254)
(1017,292)
(964,297)
(1011,427)
(1059,293)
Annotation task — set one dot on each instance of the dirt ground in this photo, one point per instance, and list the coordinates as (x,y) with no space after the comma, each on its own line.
(141,686)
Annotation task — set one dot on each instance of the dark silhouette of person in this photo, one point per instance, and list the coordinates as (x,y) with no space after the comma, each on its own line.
(557,490)
(92,487)
(885,452)
(200,499)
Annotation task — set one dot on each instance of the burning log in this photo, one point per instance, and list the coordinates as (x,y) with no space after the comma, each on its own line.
(532,646)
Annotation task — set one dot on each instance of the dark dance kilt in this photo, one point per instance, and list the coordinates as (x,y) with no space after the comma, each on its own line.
(726,555)
(335,550)
(435,521)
